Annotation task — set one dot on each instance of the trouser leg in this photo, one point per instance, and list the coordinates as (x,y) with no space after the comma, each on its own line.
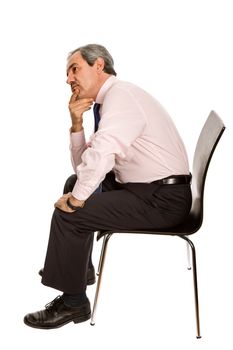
(67,256)
(109,184)
(68,187)
(64,237)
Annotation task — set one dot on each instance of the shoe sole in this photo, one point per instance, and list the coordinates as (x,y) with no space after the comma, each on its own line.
(75,320)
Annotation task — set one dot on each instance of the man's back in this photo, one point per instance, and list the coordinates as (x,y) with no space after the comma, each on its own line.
(145,140)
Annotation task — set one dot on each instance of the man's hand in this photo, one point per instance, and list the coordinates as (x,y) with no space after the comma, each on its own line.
(77,107)
(62,203)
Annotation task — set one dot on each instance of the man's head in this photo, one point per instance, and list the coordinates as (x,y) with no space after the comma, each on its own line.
(88,67)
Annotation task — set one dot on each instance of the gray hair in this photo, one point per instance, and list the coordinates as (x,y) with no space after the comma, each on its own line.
(91,52)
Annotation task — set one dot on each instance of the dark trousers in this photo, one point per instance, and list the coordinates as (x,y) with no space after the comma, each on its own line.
(119,206)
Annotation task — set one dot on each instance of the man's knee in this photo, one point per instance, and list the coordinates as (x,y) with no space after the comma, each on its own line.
(69,184)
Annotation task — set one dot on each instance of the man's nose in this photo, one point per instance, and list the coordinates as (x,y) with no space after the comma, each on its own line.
(69,78)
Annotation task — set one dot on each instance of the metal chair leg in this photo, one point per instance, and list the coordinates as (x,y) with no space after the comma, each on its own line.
(188,256)
(101,255)
(194,265)
(100,272)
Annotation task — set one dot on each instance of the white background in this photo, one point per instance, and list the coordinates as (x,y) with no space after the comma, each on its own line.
(181,52)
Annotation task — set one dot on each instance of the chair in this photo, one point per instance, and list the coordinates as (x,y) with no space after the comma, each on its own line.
(207,142)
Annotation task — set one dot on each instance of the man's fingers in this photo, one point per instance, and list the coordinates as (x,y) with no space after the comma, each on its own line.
(74,97)
(64,197)
(79,107)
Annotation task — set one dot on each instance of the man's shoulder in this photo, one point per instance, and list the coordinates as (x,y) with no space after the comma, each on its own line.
(123,87)
(122,84)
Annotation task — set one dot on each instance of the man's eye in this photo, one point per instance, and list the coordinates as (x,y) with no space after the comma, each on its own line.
(74,69)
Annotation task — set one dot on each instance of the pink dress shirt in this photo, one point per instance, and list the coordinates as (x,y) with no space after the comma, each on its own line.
(136,139)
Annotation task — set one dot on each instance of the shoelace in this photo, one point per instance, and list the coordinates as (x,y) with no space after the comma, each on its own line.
(50,305)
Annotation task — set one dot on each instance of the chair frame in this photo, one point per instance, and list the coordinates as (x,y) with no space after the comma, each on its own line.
(179,232)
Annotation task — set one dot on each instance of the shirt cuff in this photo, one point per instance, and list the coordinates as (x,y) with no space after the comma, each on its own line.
(80,192)
(77,139)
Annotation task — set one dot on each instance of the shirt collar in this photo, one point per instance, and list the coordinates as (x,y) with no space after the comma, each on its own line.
(104,88)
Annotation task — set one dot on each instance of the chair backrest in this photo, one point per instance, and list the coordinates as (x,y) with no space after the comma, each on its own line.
(206,144)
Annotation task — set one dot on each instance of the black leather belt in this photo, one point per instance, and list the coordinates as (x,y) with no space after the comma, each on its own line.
(174,180)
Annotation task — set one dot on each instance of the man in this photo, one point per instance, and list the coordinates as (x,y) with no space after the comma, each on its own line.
(132,174)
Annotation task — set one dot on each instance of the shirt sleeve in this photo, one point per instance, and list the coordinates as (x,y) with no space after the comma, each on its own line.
(122,121)
(77,147)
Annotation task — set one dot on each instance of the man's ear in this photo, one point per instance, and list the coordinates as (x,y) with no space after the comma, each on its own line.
(99,64)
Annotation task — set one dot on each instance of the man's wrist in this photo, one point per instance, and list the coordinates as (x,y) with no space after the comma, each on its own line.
(76,128)
(74,203)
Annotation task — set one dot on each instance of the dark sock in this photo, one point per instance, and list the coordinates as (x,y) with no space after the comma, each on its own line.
(74,300)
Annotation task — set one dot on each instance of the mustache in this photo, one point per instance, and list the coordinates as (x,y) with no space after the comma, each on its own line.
(74,85)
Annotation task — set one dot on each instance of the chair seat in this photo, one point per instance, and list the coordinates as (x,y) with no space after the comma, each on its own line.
(188,227)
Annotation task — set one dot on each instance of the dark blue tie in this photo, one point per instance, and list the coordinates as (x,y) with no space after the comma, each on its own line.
(96,110)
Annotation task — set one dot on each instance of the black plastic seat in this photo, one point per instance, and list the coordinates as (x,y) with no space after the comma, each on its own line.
(207,142)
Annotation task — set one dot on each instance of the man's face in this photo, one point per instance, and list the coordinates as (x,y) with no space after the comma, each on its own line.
(82,78)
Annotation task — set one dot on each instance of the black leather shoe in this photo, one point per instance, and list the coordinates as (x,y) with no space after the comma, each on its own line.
(90,275)
(57,314)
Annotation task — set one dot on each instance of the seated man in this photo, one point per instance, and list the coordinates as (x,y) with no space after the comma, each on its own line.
(133,173)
